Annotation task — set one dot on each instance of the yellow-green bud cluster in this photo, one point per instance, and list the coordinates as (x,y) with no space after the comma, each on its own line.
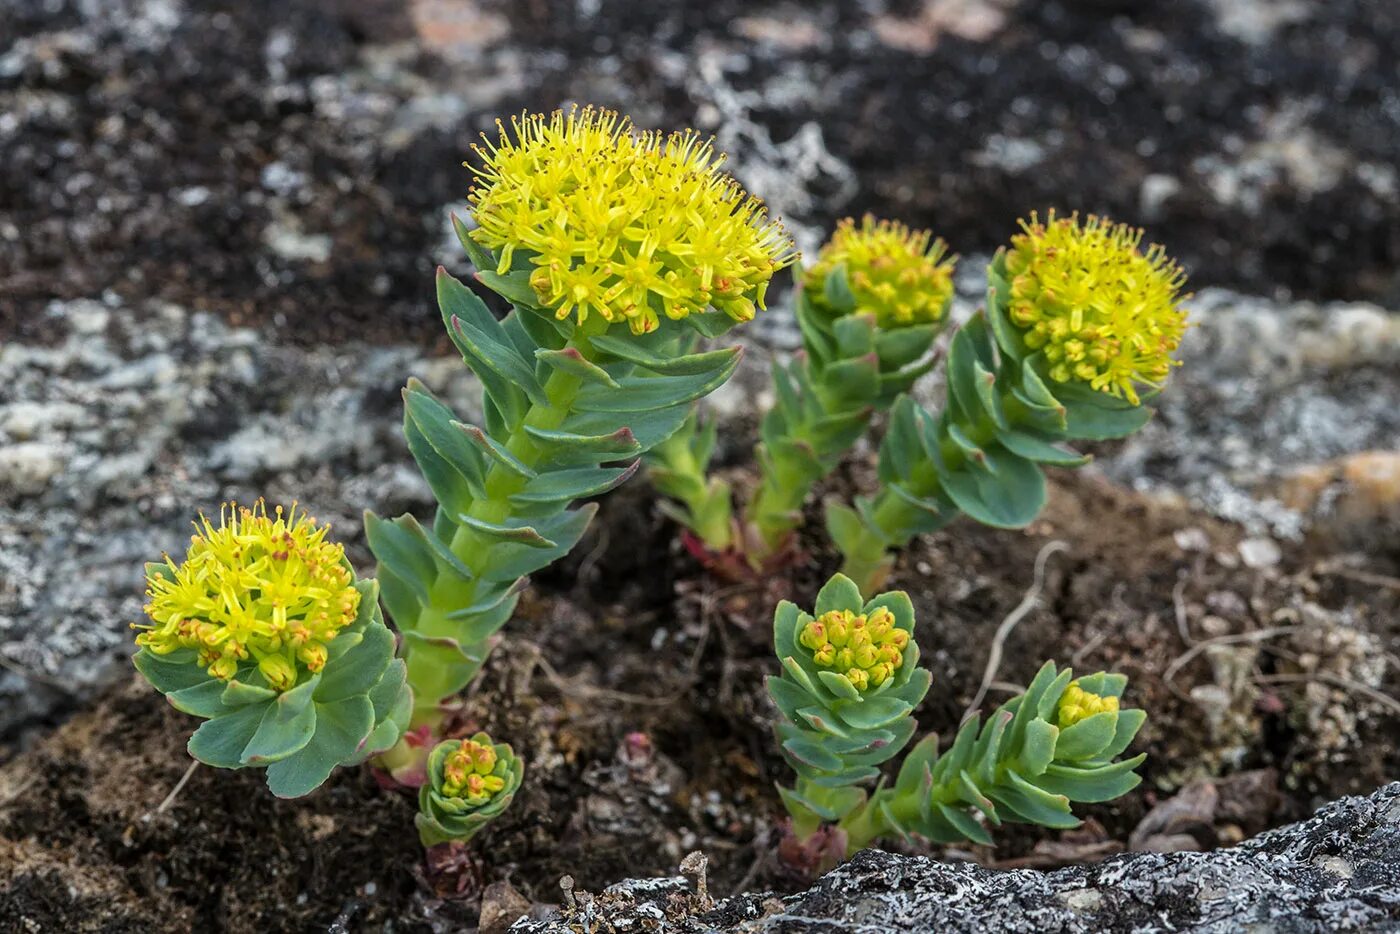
(1101,311)
(1078,704)
(868,650)
(624,224)
(467,773)
(266,587)
(900,275)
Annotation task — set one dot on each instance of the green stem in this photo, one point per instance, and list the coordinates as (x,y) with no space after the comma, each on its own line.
(707,500)
(896,520)
(865,824)
(430,684)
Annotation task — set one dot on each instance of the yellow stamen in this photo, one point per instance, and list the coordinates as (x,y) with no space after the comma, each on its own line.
(900,275)
(1102,311)
(626,225)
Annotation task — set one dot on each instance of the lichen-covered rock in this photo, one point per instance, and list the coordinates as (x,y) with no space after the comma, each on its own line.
(1337,871)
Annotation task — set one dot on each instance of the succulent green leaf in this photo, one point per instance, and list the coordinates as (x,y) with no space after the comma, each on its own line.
(506,534)
(839,593)
(359,669)
(645,393)
(287,725)
(1087,738)
(1025,443)
(511,560)
(567,485)
(170,673)
(1092,785)
(1033,804)
(1038,747)
(965,824)
(220,742)
(1129,722)
(205,699)
(569,360)
(239,693)
(1010,497)
(709,362)
(1094,424)
(838,684)
(340,728)
(404,551)
(872,713)
(495,450)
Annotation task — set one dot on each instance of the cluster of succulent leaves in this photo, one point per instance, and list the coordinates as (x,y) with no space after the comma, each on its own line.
(834,735)
(1035,756)
(355,707)
(982,455)
(850,368)
(563,404)
(445,814)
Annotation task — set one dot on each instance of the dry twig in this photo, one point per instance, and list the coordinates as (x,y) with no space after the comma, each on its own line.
(1011,621)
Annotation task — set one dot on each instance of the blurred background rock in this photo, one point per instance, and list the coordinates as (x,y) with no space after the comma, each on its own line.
(219,221)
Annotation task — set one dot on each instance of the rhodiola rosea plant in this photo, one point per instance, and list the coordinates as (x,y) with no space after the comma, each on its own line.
(869,311)
(617,251)
(1078,333)
(263,632)
(847,691)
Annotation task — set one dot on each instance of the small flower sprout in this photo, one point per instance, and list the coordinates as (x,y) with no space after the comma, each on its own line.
(1100,310)
(901,276)
(622,224)
(1080,328)
(866,649)
(264,633)
(847,693)
(1077,705)
(618,250)
(849,686)
(869,311)
(469,783)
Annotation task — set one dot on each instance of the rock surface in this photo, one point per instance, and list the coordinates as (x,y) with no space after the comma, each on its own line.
(1338,871)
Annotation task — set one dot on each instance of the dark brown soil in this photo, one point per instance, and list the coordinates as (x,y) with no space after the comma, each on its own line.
(633,685)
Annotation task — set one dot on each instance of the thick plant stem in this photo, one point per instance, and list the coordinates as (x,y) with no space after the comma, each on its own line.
(431,682)
(678,469)
(775,510)
(895,521)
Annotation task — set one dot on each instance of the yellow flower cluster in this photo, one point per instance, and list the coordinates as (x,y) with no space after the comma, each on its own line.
(627,225)
(868,650)
(269,588)
(1078,704)
(1102,311)
(467,773)
(900,275)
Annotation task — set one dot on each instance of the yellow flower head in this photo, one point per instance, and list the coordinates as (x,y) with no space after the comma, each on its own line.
(1102,311)
(468,773)
(900,275)
(628,225)
(266,588)
(1078,704)
(868,650)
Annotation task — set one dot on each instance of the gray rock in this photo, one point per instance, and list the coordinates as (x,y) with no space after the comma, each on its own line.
(1338,871)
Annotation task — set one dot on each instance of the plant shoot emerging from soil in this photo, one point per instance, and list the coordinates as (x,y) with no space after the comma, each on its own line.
(470,782)
(847,692)
(264,633)
(615,249)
